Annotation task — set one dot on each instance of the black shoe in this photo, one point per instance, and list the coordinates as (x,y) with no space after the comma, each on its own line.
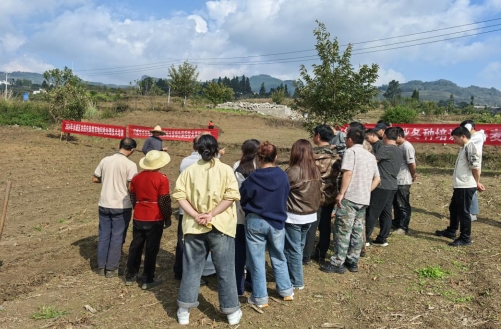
(152,283)
(306,261)
(352,267)
(130,279)
(329,268)
(379,242)
(446,233)
(362,254)
(111,273)
(460,242)
(178,276)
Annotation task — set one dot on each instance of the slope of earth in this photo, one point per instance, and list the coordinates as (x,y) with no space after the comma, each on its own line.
(48,248)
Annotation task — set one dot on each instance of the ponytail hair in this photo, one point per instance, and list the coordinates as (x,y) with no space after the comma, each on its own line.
(267,152)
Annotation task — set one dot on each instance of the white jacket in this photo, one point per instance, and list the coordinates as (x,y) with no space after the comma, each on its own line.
(468,159)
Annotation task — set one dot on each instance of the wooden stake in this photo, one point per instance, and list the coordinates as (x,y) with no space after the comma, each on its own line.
(4,212)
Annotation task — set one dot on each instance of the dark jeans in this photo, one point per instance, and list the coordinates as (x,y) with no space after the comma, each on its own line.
(178,262)
(196,247)
(240,259)
(113,224)
(323,223)
(149,233)
(402,208)
(459,209)
(380,207)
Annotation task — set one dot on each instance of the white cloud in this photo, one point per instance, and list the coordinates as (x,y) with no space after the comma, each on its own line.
(26,64)
(385,76)
(219,10)
(492,71)
(201,24)
(10,42)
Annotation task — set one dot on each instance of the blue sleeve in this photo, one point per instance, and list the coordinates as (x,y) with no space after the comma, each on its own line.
(146,146)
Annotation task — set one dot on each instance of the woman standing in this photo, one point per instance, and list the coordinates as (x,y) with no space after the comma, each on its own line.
(243,168)
(206,191)
(302,206)
(263,198)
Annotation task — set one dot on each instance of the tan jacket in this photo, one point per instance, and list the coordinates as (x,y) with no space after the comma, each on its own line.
(304,195)
(329,164)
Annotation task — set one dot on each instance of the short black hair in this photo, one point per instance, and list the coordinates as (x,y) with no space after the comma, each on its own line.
(383,122)
(465,122)
(391,133)
(127,144)
(460,131)
(356,135)
(356,124)
(207,147)
(325,132)
(400,132)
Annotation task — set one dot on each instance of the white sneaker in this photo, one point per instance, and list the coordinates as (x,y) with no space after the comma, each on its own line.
(367,244)
(473,217)
(234,318)
(183,318)
(299,288)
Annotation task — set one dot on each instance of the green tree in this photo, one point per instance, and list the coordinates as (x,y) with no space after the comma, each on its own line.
(451,108)
(334,93)
(67,97)
(393,93)
(472,100)
(262,90)
(183,80)
(217,93)
(278,96)
(415,95)
(400,114)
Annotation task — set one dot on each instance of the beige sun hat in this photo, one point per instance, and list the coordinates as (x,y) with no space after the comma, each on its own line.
(157,129)
(154,160)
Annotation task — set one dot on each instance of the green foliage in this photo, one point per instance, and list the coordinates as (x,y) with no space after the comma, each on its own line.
(183,80)
(486,118)
(218,93)
(400,114)
(47,312)
(66,96)
(278,96)
(335,92)
(432,272)
(393,94)
(32,114)
(463,299)
(415,95)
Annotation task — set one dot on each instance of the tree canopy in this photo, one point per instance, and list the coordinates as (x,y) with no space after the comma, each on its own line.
(217,93)
(334,93)
(184,80)
(393,94)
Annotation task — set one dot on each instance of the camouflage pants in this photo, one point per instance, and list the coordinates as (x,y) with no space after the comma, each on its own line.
(348,233)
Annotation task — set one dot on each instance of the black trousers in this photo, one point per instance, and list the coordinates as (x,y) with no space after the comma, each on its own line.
(380,207)
(402,208)
(459,210)
(178,262)
(149,234)
(323,224)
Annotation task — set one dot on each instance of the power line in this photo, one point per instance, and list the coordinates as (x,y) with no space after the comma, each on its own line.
(291,52)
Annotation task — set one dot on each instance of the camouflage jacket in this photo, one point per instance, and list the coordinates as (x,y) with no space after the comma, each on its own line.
(329,164)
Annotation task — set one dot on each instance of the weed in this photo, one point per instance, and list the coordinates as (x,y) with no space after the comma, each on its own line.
(61,221)
(463,299)
(47,312)
(459,265)
(433,272)
(38,228)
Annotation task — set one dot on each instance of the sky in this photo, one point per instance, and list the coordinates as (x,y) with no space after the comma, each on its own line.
(113,41)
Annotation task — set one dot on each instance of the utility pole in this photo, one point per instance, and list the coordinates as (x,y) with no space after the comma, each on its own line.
(168,96)
(6,78)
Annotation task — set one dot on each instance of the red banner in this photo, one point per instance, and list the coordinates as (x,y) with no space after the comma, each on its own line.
(441,133)
(93,129)
(171,134)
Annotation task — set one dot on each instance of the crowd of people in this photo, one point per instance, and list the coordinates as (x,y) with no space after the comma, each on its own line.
(339,186)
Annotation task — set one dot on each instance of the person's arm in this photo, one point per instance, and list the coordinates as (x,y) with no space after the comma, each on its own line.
(96,179)
(188,208)
(203,219)
(375,182)
(345,182)
(164,203)
(412,169)
(133,199)
(476,175)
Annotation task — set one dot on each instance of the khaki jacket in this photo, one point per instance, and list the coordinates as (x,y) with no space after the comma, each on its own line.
(329,164)
(304,195)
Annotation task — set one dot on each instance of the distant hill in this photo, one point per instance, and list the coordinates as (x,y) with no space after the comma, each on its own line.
(37,78)
(269,82)
(442,89)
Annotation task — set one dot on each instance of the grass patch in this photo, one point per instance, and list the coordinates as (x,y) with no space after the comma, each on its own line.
(432,272)
(61,221)
(459,265)
(38,228)
(31,114)
(463,299)
(47,312)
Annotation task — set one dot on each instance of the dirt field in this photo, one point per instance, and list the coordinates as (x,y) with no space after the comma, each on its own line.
(48,248)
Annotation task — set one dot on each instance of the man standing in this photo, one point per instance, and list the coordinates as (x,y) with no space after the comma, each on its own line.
(466,180)
(360,177)
(372,138)
(389,158)
(154,142)
(329,164)
(338,142)
(477,138)
(115,208)
(406,175)
(152,208)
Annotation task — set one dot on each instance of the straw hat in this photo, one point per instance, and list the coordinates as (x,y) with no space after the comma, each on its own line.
(154,160)
(158,129)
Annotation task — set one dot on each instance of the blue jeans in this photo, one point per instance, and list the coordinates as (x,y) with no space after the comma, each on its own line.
(196,248)
(260,234)
(295,239)
(113,224)
(474,209)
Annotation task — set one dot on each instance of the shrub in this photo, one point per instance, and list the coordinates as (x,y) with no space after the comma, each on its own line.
(32,114)
(400,114)
(91,111)
(278,96)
